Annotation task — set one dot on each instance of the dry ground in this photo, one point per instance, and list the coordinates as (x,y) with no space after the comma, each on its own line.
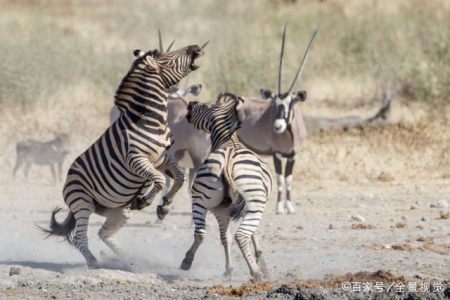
(395,177)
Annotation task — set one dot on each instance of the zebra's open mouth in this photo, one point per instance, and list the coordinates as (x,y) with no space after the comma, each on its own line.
(194,64)
(195,57)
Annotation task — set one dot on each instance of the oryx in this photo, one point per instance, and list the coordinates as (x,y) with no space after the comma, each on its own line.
(276,127)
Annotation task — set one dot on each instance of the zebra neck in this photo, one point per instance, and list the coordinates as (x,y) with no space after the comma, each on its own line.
(143,97)
(224,140)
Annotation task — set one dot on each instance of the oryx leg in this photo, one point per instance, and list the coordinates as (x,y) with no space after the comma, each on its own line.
(280,182)
(116,218)
(288,180)
(170,167)
(226,239)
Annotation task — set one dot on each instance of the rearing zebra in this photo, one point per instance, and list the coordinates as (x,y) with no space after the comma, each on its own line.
(110,176)
(231,183)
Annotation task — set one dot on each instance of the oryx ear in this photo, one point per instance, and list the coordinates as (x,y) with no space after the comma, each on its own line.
(300,96)
(138,53)
(151,63)
(266,94)
(194,90)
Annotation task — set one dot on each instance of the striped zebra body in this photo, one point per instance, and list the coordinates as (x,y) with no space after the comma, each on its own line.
(113,175)
(232,183)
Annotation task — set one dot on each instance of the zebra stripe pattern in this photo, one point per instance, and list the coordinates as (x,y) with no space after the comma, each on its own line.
(232,183)
(113,175)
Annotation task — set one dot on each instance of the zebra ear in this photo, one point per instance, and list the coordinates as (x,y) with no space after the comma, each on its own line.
(138,53)
(266,94)
(151,63)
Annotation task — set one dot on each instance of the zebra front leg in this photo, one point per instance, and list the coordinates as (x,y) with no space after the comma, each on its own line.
(258,254)
(198,215)
(247,228)
(226,239)
(280,182)
(142,167)
(116,218)
(171,168)
(288,179)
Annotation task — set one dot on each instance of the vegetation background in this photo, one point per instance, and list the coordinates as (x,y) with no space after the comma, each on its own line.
(62,61)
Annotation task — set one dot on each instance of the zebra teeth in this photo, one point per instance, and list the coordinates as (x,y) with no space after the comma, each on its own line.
(194,64)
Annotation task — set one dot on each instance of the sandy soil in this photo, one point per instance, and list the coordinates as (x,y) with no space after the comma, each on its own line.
(402,231)
(367,200)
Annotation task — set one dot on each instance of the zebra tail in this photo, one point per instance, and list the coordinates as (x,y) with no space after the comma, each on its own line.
(65,228)
(237,208)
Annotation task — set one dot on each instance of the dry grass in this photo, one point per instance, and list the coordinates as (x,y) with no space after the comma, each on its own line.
(61,68)
(362,45)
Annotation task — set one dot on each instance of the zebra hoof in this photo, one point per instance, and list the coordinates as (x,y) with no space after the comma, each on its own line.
(257,276)
(93,265)
(161,212)
(186,264)
(228,273)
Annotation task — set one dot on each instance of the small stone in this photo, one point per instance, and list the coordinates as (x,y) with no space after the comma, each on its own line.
(14,271)
(442,204)
(367,196)
(419,188)
(387,246)
(423,219)
(413,207)
(331,227)
(404,218)
(299,227)
(357,218)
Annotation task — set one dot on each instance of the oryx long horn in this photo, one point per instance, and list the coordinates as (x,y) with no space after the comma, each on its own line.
(170,46)
(161,49)
(280,69)
(204,45)
(305,57)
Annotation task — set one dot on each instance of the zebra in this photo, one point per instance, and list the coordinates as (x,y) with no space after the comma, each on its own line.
(48,153)
(110,177)
(232,183)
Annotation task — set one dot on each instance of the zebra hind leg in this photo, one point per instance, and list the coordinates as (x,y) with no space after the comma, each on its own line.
(259,257)
(226,239)
(247,228)
(82,210)
(199,216)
